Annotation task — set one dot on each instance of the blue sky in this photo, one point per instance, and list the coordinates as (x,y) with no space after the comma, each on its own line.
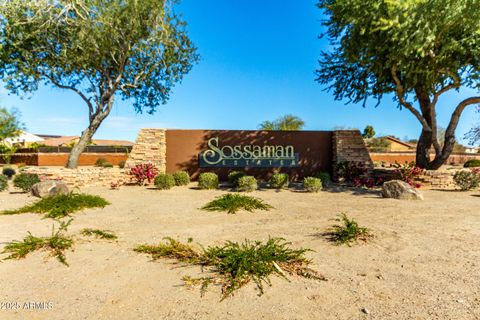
(257,63)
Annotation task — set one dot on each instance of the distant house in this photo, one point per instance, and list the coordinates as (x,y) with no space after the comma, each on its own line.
(65,141)
(397,145)
(23,140)
(472,150)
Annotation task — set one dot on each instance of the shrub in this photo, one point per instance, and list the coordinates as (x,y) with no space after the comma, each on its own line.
(100,162)
(234,176)
(357,174)
(60,206)
(467,179)
(121,164)
(25,181)
(3,183)
(208,180)
(56,244)
(472,163)
(312,184)
(116,184)
(233,264)
(102,234)
(235,202)
(279,180)
(325,177)
(347,232)
(107,165)
(8,172)
(143,172)
(408,172)
(182,178)
(247,184)
(164,181)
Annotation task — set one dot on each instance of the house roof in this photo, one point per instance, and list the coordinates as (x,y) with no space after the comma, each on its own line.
(395,140)
(66,140)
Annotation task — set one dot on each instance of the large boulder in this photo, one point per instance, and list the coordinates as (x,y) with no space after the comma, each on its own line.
(401,190)
(49,188)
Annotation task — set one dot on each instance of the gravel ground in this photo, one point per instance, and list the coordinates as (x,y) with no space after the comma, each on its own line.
(423,263)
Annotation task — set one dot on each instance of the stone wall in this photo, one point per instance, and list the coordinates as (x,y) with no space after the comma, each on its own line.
(402,157)
(82,176)
(150,146)
(440,179)
(348,145)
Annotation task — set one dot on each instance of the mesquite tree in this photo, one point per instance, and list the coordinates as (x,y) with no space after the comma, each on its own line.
(416,50)
(99,49)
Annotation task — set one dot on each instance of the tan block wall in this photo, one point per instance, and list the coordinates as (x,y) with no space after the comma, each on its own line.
(82,176)
(150,147)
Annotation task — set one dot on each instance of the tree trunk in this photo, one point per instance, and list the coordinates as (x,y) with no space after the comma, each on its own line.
(425,141)
(424,144)
(87,135)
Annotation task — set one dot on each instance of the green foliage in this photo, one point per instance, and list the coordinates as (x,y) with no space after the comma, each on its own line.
(279,180)
(234,176)
(100,50)
(467,179)
(164,181)
(236,264)
(312,184)
(103,163)
(60,206)
(25,181)
(182,178)
(56,244)
(208,180)
(472,163)
(10,125)
(6,152)
(100,162)
(3,183)
(368,132)
(232,203)
(247,184)
(285,123)
(412,50)
(121,164)
(325,177)
(348,231)
(172,249)
(97,233)
(8,172)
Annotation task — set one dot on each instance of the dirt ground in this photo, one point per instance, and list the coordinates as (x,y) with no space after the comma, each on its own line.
(424,262)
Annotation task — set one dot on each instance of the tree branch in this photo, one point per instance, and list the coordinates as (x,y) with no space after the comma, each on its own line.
(452,126)
(62,86)
(455,84)
(400,92)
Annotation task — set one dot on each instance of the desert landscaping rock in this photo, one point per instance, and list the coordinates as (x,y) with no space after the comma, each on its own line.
(401,190)
(49,188)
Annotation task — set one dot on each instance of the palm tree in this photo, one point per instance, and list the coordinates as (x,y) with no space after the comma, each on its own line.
(286,123)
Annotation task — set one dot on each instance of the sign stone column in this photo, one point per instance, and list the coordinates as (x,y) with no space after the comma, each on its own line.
(150,147)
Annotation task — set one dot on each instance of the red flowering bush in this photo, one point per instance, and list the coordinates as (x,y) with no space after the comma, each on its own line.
(408,172)
(357,174)
(143,172)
